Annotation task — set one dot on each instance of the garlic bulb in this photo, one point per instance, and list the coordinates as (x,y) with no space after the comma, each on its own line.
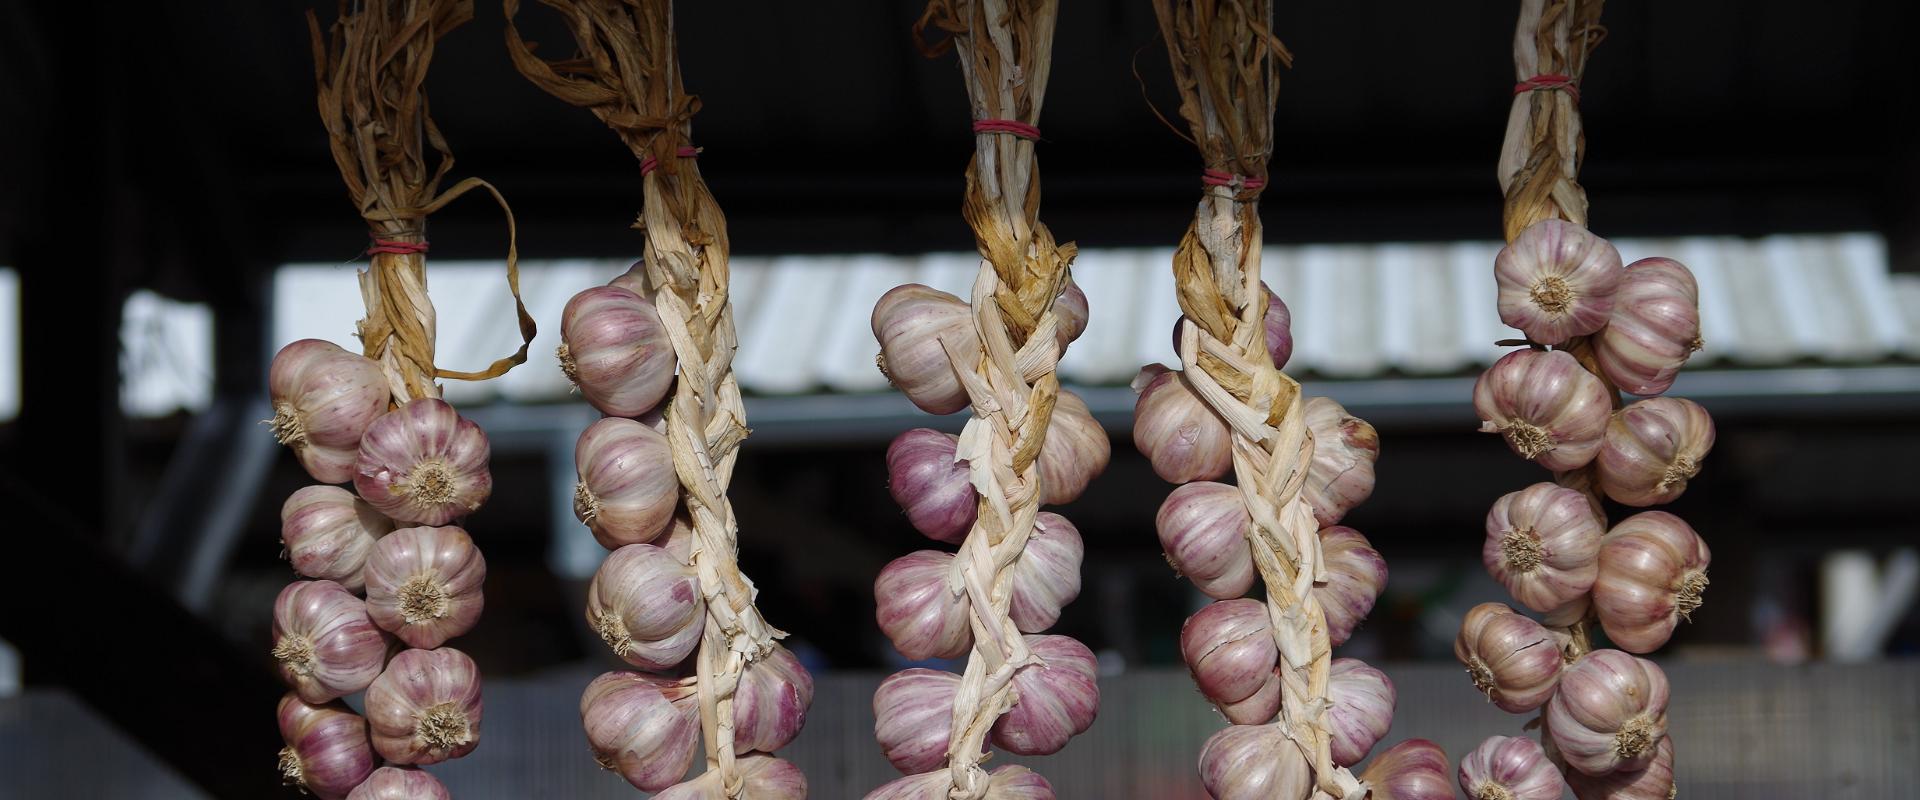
(1654,328)
(1179,433)
(328,533)
(910,322)
(426,707)
(1058,698)
(641,726)
(917,609)
(647,606)
(1254,762)
(323,400)
(1652,449)
(913,718)
(1543,544)
(1653,569)
(1229,648)
(400,783)
(1046,575)
(323,642)
(1070,314)
(1278,329)
(1510,768)
(423,585)
(1360,709)
(1653,783)
(327,752)
(1344,449)
(763,778)
(423,463)
(1074,452)
(1356,574)
(771,702)
(1509,656)
(615,349)
(929,480)
(1557,280)
(1548,408)
(1008,782)
(1203,527)
(628,489)
(1415,769)
(1610,713)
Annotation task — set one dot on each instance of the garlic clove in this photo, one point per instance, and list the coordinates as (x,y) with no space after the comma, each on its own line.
(1046,575)
(400,783)
(770,704)
(1203,528)
(1178,432)
(1230,650)
(327,751)
(628,489)
(328,533)
(615,349)
(1549,409)
(324,644)
(1652,448)
(1653,571)
(1074,452)
(1543,544)
(424,463)
(913,718)
(1356,575)
(1653,783)
(1609,714)
(1415,769)
(1510,768)
(423,585)
(1254,762)
(1340,476)
(425,708)
(763,778)
(644,728)
(1058,698)
(912,322)
(1360,709)
(1654,327)
(1557,280)
(930,481)
(917,609)
(323,400)
(647,606)
(1509,656)
(1008,782)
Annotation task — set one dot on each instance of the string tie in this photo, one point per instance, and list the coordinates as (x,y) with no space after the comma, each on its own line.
(1214,177)
(400,248)
(650,163)
(1007,126)
(1550,82)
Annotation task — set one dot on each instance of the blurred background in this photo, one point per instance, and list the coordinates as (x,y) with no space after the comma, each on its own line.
(169,217)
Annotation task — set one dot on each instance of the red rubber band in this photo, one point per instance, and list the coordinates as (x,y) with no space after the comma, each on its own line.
(1214,177)
(1551,82)
(399,248)
(650,163)
(1011,126)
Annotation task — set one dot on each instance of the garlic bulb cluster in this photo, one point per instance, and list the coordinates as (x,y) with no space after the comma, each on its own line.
(615,350)
(762,777)
(1652,449)
(1356,575)
(924,334)
(327,752)
(1008,782)
(324,643)
(328,533)
(1549,409)
(400,783)
(1254,762)
(1511,658)
(1653,783)
(628,490)
(1362,709)
(1654,328)
(1653,571)
(1344,449)
(323,400)
(1557,281)
(1181,437)
(1075,452)
(642,726)
(646,605)
(423,585)
(1610,713)
(929,480)
(1510,768)
(1203,529)
(1543,544)
(425,708)
(1415,769)
(424,463)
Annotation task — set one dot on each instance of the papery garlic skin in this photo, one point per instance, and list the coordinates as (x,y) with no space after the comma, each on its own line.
(425,708)
(614,347)
(1653,571)
(423,585)
(1510,768)
(912,322)
(913,718)
(1609,714)
(1654,328)
(424,463)
(1415,769)
(647,606)
(1509,656)
(1058,698)
(328,533)
(1046,575)
(1203,528)
(1230,650)
(1340,476)
(323,400)
(400,783)
(1356,575)
(1652,448)
(1178,432)
(1543,544)
(1556,280)
(1550,410)
(324,644)
(327,750)
(1360,709)
(1074,452)
(636,728)
(628,489)
(1278,327)
(917,609)
(1008,782)
(770,704)
(1656,782)
(763,778)
(1254,762)
(930,481)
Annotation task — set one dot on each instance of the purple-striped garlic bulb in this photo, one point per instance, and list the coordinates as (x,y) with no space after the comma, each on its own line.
(1074,452)
(1609,714)
(1058,698)
(762,776)
(426,707)
(1510,768)
(1415,769)
(1203,528)
(1356,574)
(324,644)
(1008,782)
(400,783)
(1181,436)
(1046,575)
(614,347)
(1229,648)
(1557,280)
(628,489)
(1653,570)
(1278,329)
(1344,449)
(328,533)
(644,727)
(323,400)
(423,585)
(1509,656)
(1254,762)
(1653,783)
(1549,409)
(929,480)
(1654,328)
(770,704)
(647,606)
(913,718)
(1652,448)
(1360,709)
(424,463)
(1543,544)
(912,322)
(919,610)
(327,750)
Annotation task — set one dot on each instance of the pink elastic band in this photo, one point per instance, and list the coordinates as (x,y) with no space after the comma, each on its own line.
(1214,177)
(650,163)
(401,248)
(1552,82)
(1015,127)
